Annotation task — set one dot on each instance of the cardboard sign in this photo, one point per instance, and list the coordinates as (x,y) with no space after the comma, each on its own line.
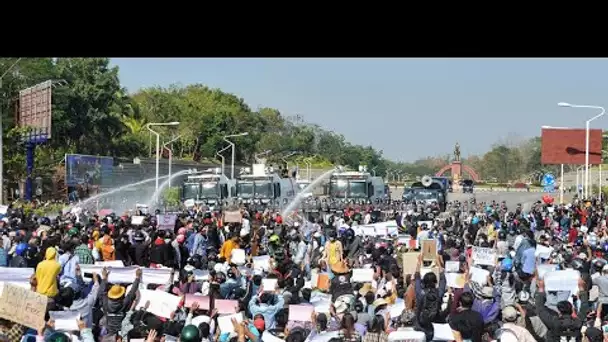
(429,250)
(320,281)
(455,280)
(410,261)
(23,306)
(484,256)
(233,216)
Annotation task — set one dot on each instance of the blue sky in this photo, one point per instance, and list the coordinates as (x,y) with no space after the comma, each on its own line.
(408,108)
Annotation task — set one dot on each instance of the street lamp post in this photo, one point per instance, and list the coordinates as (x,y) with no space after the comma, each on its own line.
(219,154)
(2,136)
(174,123)
(232,146)
(170,154)
(587,124)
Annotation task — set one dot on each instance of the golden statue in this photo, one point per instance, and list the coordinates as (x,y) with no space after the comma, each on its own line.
(457,152)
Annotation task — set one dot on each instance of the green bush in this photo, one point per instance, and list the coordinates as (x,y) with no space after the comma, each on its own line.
(171,196)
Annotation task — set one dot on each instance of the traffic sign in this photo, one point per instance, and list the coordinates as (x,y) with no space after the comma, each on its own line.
(548,179)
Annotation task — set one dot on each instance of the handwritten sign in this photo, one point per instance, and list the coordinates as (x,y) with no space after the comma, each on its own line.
(410,261)
(484,256)
(233,216)
(362,275)
(22,306)
(166,222)
(566,280)
(455,280)
(452,266)
(137,220)
(429,250)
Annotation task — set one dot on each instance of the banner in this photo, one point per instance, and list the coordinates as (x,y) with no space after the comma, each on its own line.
(88,170)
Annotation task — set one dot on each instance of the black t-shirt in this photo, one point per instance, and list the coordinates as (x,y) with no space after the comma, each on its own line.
(469,324)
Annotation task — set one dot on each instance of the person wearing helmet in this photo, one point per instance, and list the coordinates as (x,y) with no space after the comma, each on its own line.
(58,337)
(190,333)
(18,259)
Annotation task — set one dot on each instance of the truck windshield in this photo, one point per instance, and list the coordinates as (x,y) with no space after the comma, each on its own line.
(358,189)
(343,188)
(263,189)
(424,194)
(209,190)
(191,191)
(244,189)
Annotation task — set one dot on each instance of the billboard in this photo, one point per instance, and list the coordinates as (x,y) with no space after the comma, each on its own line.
(87,170)
(567,146)
(35,106)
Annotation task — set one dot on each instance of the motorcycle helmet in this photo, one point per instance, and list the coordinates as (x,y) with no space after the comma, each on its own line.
(59,337)
(502,235)
(190,333)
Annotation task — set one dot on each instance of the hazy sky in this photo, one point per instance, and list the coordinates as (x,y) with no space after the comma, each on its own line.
(409,108)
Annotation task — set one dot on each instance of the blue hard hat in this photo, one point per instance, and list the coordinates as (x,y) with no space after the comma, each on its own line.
(21,248)
(475,220)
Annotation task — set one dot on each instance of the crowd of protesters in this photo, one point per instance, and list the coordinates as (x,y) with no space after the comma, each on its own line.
(215,261)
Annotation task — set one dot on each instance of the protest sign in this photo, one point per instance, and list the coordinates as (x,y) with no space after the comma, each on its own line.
(126,275)
(162,304)
(407,241)
(233,216)
(410,261)
(479,275)
(166,222)
(455,280)
(137,220)
(111,263)
(452,266)
(429,250)
(226,306)
(65,320)
(369,230)
(225,322)
(203,301)
(362,275)
(300,313)
(261,262)
(484,256)
(269,285)
(565,280)
(22,306)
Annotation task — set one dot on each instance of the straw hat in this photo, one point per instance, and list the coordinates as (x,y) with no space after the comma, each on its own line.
(339,268)
(116,292)
(367,287)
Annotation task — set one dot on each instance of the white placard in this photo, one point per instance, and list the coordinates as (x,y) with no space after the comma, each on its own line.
(137,220)
(3,209)
(479,275)
(16,275)
(268,337)
(269,285)
(369,230)
(566,280)
(542,269)
(261,262)
(126,275)
(397,309)
(442,332)
(484,256)
(166,222)
(225,322)
(65,320)
(362,275)
(453,280)
(161,303)
(112,263)
(452,266)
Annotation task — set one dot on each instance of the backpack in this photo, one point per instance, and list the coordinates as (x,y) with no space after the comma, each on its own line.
(429,308)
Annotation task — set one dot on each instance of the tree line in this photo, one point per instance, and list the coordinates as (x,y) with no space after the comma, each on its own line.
(94,114)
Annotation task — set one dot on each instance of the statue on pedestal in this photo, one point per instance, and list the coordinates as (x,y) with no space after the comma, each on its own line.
(457,152)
